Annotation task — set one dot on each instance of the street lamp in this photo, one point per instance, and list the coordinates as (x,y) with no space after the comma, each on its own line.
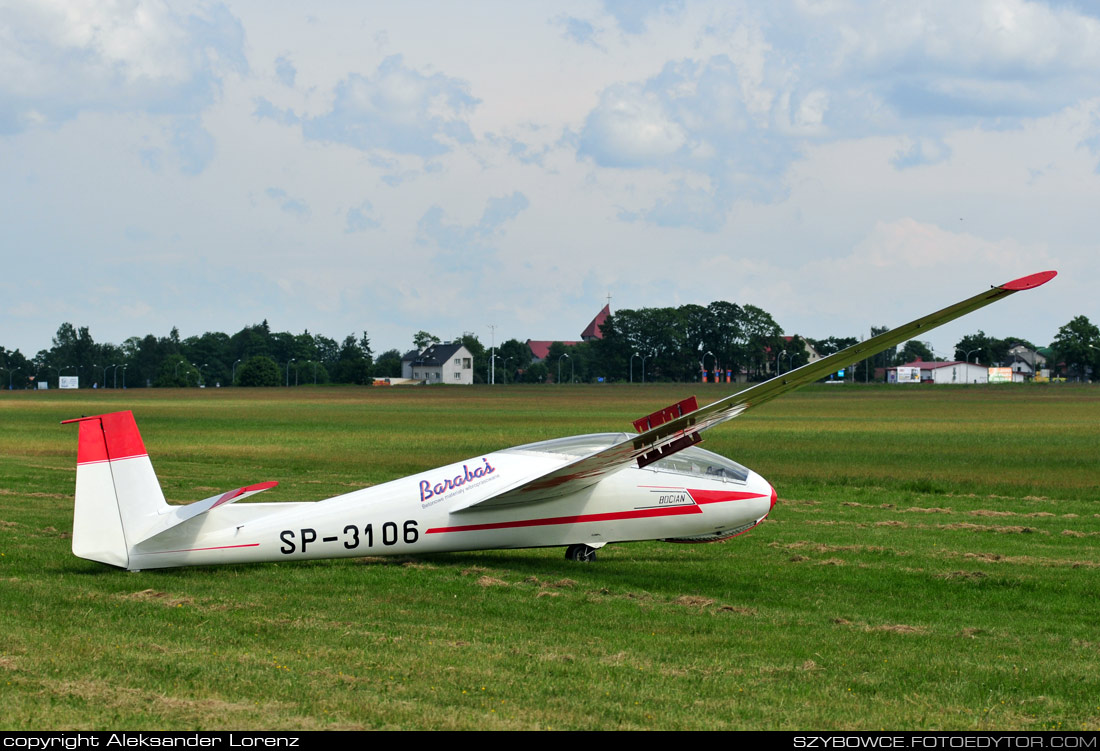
(968,354)
(632,366)
(651,354)
(704,363)
(564,354)
(233,377)
(124,376)
(506,359)
(288,372)
(777,361)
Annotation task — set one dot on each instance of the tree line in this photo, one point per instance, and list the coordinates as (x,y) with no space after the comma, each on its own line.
(647,344)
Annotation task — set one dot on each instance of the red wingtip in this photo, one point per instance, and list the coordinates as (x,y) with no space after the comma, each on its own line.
(1029,282)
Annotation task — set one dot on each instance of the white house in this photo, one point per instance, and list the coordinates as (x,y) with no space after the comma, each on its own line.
(439,363)
(946,372)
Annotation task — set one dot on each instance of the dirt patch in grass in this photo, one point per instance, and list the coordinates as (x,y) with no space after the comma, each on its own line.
(547,593)
(693,601)
(898,628)
(893,523)
(8,524)
(737,609)
(151,595)
(990,512)
(895,628)
(920,510)
(559,584)
(8,663)
(126,699)
(1000,530)
(819,547)
(36,494)
(831,562)
(798,558)
(398,560)
(491,581)
(967,575)
(1023,559)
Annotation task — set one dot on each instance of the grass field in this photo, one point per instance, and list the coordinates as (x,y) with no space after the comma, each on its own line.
(933,562)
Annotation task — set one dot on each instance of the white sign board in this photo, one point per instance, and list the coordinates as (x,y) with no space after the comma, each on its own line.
(908,375)
(68,382)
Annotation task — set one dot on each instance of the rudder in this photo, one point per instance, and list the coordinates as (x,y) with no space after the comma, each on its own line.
(117,492)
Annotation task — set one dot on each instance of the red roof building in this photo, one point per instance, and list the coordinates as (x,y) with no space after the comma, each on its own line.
(540,348)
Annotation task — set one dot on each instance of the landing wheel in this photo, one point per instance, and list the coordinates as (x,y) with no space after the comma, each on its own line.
(581,553)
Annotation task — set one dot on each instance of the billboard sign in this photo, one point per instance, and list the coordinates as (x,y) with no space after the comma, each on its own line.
(908,375)
(68,382)
(1000,375)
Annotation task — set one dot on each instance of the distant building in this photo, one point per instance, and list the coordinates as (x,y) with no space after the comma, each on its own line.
(812,353)
(942,372)
(439,363)
(1027,362)
(540,348)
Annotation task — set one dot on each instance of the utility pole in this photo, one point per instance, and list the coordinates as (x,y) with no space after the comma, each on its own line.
(493,352)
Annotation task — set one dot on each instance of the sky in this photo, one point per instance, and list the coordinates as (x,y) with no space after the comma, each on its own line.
(501,168)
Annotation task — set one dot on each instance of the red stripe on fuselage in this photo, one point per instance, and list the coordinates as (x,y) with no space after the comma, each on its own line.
(720,496)
(192,550)
(580,518)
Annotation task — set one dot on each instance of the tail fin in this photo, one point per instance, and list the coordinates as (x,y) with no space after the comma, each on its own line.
(117,492)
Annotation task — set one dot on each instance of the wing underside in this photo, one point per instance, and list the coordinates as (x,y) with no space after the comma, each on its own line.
(678,432)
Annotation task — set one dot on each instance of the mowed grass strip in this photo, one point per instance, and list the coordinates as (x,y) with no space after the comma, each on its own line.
(932,563)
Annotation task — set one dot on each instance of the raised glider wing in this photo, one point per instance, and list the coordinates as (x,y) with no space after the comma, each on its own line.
(581,492)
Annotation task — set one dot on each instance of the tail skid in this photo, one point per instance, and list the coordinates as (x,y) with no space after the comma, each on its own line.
(119,501)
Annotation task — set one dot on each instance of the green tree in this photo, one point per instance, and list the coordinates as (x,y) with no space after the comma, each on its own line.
(914,350)
(356,361)
(1076,346)
(16,369)
(177,372)
(989,349)
(422,339)
(512,356)
(388,364)
(259,370)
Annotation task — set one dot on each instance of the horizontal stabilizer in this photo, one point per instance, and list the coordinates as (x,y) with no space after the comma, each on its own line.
(179,514)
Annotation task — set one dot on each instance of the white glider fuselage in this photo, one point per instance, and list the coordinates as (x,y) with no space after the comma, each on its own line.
(692,496)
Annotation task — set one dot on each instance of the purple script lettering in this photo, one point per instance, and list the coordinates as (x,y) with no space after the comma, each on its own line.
(428,490)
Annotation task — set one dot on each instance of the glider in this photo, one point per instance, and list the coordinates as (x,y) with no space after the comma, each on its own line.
(580,492)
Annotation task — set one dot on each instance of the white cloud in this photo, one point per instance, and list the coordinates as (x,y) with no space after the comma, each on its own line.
(60,57)
(397,109)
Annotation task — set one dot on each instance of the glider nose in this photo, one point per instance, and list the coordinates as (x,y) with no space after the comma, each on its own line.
(774,498)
